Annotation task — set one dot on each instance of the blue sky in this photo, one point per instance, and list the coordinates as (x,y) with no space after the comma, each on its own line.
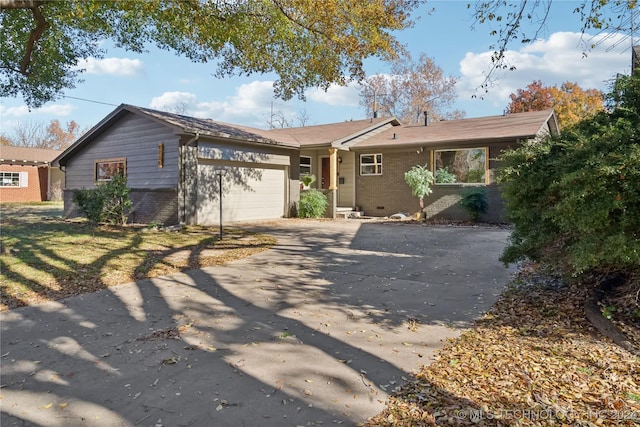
(444,31)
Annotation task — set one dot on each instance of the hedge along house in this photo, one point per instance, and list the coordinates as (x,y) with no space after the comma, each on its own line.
(174,165)
(26,175)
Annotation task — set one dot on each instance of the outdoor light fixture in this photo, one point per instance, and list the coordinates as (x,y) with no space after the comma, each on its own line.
(220,173)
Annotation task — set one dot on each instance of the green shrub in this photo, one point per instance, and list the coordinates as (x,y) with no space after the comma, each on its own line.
(109,202)
(313,204)
(575,199)
(474,201)
(443,176)
(89,203)
(117,203)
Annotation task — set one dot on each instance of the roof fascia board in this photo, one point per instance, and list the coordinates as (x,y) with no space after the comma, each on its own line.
(229,139)
(435,144)
(391,120)
(95,130)
(105,123)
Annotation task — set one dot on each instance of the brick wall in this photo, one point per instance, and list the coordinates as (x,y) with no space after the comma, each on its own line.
(36,191)
(387,194)
(156,205)
(159,205)
(443,204)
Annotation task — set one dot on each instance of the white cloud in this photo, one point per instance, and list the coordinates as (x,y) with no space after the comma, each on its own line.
(250,105)
(173,100)
(57,109)
(344,96)
(112,66)
(553,61)
(24,111)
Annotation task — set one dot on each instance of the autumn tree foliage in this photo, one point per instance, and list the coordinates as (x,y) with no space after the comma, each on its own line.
(37,134)
(304,44)
(570,102)
(412,88)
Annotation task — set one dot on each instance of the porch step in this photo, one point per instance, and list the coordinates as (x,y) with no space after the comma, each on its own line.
(348,213)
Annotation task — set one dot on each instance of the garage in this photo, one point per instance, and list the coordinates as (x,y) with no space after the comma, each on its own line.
(248,192)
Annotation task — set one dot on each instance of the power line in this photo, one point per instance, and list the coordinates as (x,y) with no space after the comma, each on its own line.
(89,100)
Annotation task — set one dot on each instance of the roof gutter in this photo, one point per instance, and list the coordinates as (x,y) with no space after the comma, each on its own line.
(193,139)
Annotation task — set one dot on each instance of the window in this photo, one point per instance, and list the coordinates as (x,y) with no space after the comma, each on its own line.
(9,179)
(305,165)
(464,166)
(106,169)
(371,164)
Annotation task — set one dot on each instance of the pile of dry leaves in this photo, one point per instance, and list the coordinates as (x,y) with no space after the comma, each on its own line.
(534,360)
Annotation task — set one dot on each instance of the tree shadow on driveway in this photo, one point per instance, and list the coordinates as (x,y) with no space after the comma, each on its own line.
(317,330)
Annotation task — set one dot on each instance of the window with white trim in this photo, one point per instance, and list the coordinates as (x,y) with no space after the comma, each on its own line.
(107,169)
(463,166)
(305,165)
(371,164)
(10,179)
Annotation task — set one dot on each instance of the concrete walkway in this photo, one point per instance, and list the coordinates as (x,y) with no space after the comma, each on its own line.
(315,331)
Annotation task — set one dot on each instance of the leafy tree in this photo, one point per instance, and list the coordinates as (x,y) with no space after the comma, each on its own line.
(570,101)
(410,90)
(306,45)
(524,20)
(574,199)
(419,179)
(36,134)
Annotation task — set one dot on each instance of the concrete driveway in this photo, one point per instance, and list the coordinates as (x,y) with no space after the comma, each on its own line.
(316,331)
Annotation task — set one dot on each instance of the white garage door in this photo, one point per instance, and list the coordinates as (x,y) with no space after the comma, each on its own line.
(247,194)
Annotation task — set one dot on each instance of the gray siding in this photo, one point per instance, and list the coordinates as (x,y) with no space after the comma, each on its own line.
(136,139)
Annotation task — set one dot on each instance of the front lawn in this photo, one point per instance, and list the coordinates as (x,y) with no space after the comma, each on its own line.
(44,257)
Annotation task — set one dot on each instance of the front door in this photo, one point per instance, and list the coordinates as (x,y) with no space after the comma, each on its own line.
(326,173)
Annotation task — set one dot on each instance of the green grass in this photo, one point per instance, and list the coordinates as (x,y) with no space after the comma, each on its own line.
(48,258)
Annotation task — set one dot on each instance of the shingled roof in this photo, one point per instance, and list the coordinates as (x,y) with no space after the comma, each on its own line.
(370,133)
(181,125)
(192,125)
(332,134)
(467,131)
(12,155)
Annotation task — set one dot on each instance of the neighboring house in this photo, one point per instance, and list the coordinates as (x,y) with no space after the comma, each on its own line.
(26,175)
(172,162)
